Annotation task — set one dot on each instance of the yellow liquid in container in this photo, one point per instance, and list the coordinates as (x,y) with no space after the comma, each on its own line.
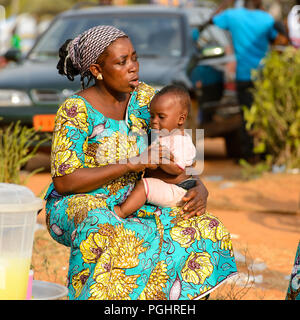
(14,273)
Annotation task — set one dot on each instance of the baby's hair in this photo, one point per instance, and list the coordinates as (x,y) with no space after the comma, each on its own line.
(180,92)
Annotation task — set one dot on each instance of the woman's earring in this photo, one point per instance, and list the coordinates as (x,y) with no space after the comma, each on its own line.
(99,76)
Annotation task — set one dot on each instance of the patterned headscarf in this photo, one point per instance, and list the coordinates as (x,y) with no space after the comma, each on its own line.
(85,49)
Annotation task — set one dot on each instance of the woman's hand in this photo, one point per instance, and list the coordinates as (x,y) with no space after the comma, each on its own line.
(151,158)
(195,200)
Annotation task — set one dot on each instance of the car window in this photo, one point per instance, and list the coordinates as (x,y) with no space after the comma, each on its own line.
(151,35)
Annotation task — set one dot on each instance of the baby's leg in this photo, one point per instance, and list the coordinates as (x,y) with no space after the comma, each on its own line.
(135,200)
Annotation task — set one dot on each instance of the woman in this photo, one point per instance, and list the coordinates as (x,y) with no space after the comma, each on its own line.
(159,253)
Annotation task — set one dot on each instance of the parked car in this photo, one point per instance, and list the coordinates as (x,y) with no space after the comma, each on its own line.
(31,88)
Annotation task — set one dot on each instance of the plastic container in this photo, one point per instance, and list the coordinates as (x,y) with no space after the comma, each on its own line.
(44,290)
(29,286)
(18,212)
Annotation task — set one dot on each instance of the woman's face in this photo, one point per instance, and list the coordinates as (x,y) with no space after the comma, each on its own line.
(120,70)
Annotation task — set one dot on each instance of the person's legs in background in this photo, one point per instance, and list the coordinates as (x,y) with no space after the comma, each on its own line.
(245,98)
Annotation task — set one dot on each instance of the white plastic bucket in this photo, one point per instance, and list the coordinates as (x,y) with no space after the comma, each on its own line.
(18,211)
(44,290)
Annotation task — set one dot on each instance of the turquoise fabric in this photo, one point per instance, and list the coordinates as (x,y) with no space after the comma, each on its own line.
(153,254)
(293,292)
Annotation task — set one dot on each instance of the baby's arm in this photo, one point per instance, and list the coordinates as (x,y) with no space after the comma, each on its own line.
(171,168)
(168,164)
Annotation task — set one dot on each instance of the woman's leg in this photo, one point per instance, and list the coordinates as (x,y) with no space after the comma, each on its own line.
(135,200)
(59,226)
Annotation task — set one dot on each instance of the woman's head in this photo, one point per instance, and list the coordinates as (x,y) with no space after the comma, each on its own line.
(169,108)
(88,54)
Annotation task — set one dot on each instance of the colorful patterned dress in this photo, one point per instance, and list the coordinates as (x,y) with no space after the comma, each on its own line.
(153,254)
(293,291)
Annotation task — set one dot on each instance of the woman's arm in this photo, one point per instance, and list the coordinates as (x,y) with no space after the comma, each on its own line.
(195,201)
(88,179)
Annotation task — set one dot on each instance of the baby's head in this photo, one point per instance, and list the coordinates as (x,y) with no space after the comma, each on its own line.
(169,108)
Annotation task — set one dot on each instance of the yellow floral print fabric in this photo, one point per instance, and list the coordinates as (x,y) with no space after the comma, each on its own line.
(113,250)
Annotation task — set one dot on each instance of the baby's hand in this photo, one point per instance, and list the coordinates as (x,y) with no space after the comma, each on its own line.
(147,159)
(165,156)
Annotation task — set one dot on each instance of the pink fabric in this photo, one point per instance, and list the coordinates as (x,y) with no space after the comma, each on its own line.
(182,147)
(161,193)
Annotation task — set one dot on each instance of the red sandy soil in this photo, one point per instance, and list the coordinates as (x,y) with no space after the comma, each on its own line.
(262,214)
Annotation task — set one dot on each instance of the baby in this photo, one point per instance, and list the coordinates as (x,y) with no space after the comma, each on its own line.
(168,183)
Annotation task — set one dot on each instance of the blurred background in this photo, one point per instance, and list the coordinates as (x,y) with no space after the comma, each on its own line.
(29,18)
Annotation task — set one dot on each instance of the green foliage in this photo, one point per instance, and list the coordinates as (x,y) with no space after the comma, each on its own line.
(41,8)
(274,118)
(250,171)
(18,144)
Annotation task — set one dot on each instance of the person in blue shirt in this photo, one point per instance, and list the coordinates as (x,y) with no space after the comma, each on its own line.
(252,30)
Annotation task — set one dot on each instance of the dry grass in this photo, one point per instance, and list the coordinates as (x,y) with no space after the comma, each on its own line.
(238,287)
(50,259)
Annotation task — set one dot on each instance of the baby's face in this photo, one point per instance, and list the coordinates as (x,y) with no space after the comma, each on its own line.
(165,112)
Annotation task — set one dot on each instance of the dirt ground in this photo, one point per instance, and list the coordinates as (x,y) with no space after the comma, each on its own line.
(262,214)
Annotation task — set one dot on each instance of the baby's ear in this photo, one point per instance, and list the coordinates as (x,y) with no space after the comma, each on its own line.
(182,118)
